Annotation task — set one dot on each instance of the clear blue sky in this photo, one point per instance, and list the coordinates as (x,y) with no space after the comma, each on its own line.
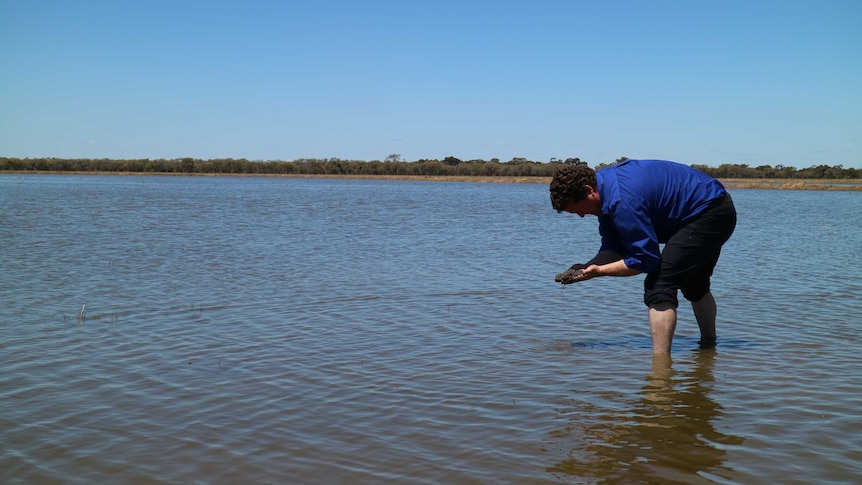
(756,82)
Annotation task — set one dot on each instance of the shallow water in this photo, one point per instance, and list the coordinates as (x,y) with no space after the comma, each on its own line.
(263,330)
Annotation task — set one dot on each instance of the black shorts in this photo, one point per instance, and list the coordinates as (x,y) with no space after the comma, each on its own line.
(689,257)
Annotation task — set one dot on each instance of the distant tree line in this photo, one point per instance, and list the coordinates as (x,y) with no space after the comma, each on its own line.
(391,165)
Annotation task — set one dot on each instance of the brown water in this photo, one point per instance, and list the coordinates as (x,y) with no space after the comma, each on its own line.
(305,331)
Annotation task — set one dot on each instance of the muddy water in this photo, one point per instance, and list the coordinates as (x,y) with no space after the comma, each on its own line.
(240,330)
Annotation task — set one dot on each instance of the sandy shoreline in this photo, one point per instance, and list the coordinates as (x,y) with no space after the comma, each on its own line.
(775,184)
(794,184)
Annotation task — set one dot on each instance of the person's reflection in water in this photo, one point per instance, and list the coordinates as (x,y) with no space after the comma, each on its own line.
(669,437)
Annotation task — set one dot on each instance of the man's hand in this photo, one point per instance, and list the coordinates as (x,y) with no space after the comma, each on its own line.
(571,275)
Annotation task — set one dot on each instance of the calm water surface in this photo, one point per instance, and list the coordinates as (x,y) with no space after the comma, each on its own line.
(262,330)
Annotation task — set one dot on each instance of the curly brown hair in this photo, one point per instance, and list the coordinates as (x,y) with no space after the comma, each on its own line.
(568,185)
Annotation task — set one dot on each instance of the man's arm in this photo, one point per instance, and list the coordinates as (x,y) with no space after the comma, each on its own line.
(614,268)
(605,263)
(604,256)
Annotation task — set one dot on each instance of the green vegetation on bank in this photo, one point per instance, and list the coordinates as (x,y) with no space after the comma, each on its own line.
(393,165)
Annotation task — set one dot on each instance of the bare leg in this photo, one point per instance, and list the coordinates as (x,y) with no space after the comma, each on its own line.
(704,312)
(659,393)
(662,323)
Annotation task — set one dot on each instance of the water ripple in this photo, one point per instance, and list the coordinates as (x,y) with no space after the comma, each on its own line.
(302,331)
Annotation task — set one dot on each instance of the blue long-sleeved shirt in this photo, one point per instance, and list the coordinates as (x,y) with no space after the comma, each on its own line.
(645,202)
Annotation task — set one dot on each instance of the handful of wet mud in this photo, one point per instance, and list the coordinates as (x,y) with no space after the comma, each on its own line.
(570,276)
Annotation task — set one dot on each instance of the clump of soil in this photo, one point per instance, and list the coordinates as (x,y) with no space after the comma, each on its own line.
(570,276)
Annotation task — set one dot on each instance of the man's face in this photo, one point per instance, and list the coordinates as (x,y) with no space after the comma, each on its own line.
(591,204)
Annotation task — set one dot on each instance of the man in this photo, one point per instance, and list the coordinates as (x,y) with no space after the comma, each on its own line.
(640,205)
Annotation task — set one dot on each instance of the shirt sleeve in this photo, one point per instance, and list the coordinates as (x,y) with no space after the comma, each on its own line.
(610,237)
(638,237)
